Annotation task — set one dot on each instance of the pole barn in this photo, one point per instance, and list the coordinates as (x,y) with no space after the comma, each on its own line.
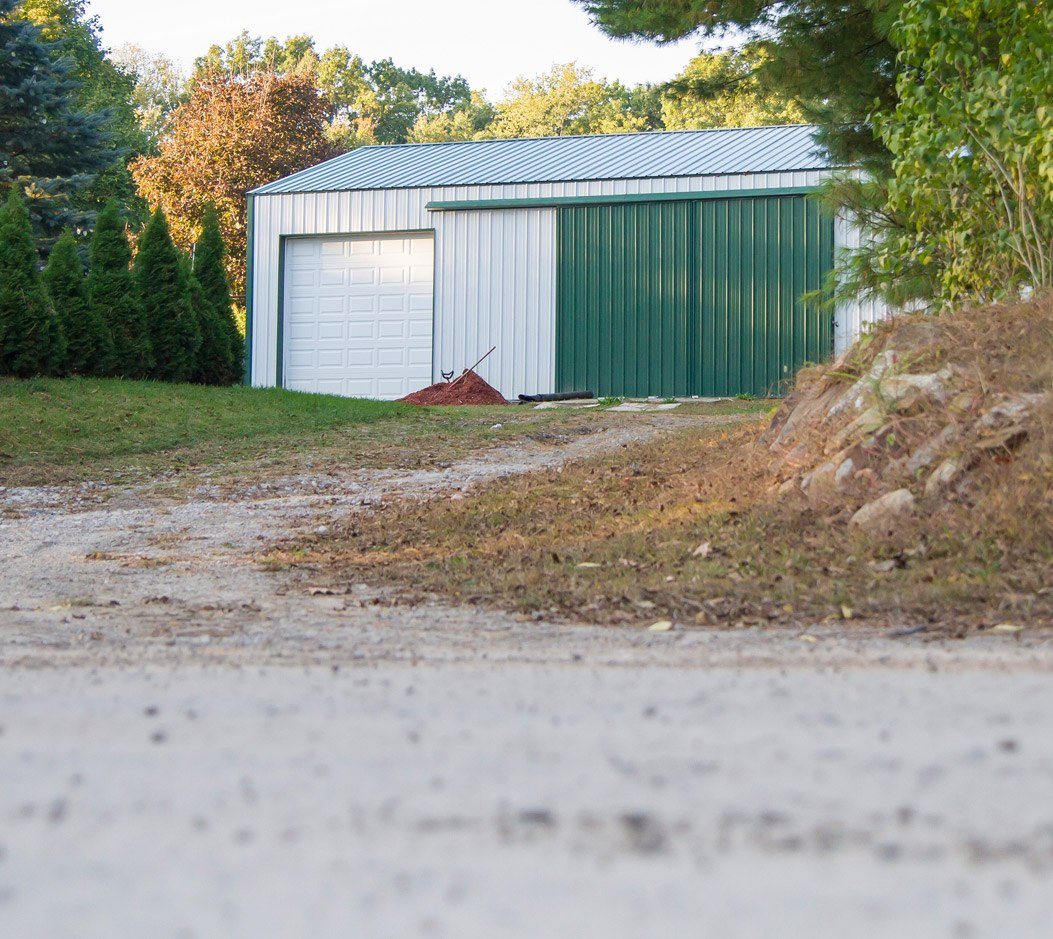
(665,263)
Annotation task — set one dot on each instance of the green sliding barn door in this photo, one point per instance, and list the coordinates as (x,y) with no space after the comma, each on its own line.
(690,298)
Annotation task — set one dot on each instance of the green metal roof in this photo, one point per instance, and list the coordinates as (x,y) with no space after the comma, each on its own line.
(657,154)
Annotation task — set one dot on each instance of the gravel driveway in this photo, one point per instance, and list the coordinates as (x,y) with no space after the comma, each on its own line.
(192,746)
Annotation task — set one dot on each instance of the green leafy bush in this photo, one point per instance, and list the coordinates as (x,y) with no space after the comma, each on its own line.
(968,211)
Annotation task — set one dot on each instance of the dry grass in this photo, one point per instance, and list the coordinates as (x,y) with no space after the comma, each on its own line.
(637,521)
(620,538)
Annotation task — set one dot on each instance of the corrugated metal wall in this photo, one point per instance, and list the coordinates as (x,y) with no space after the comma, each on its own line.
(758,257)
(691,298)
(627,294)
(495,278)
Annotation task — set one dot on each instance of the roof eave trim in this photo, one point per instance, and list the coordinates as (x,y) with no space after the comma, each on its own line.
(269,190)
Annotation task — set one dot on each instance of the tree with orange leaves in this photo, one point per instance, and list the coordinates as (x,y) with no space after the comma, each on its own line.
(232,135)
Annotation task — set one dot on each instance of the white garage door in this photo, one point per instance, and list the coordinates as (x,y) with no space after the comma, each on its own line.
(358,315)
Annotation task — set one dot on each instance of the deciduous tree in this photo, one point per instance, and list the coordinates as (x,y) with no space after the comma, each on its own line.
(232,135)
(159,88)
(969,207)
(566,99)
(721,89)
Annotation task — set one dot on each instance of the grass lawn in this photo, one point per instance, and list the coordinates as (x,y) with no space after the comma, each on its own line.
(64,430)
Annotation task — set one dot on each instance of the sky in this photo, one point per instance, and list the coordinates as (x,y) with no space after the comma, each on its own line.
(490,42)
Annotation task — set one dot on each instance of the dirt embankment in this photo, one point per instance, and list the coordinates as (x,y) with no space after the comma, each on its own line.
(938,424)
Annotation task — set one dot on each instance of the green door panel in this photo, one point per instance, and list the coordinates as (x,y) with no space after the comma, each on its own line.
(682,298)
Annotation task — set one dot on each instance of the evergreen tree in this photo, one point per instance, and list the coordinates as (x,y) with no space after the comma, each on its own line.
(161,278)
(47,147)
(102,86)
(89,347)
(31,341)
(210,270)
(113,299)
(833,56)
(213,363)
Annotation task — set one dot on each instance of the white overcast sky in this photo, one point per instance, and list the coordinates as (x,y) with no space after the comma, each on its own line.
(490,42)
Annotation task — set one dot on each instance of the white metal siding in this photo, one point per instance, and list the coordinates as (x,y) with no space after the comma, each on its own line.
(495,275)
(852,318)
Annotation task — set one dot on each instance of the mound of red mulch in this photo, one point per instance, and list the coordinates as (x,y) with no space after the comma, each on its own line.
(469,389)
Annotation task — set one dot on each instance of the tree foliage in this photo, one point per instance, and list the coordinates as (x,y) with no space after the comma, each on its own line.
(212,364)
(89,347)
(722,89)
(51,146)
(968,211)
(232,135)
(158,89)
(566,99)
(210,273)
(31,340)
(103,88)
(162,281)
(833,56)
(112,296)
(370,102)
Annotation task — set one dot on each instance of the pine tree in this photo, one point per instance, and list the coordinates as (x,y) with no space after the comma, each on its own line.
(113,299)
(213,364)
(89,347)
(161,279)
(47,146)
(211,272)
(31,341)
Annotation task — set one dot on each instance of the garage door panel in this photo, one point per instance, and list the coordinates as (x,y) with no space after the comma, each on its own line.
(304,248)
(330,278)
(302,278)
(334,330)
(358,315)
(393,303)
(363,277)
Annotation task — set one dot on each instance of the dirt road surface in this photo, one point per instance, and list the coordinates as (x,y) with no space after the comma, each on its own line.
(191,745)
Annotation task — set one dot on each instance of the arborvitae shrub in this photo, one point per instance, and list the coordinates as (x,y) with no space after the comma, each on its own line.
(89,348)
(31,341)
(209,268)
(162,280)
(112,296)
(213,357)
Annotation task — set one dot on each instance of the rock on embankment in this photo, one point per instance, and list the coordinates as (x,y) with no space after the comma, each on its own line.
(900,421)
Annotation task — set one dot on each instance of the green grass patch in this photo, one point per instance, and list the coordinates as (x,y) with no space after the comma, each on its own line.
(56,431)
(69,421)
